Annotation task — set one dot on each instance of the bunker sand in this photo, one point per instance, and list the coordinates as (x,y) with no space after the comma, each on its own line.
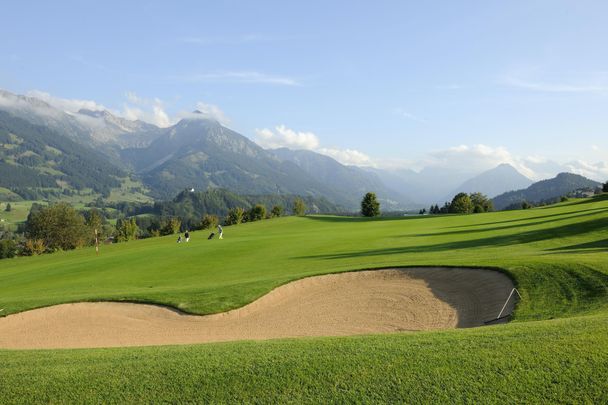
(331,305)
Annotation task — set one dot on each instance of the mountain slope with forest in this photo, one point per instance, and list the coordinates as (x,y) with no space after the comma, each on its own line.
(545,190)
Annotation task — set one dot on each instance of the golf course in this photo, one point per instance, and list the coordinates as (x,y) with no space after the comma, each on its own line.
(324,309)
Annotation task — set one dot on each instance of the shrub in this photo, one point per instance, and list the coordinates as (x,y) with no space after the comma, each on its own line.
(299,208)
(126,230)
(171,226)
(257,213)
(33,247)
(276,211)
(209,221)
(8,249)
(235,216)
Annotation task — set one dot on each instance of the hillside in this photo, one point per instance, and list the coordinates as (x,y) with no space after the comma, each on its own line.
(545,190)
(37,162)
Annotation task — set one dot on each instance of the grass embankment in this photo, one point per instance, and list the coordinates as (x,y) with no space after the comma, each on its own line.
(557,255)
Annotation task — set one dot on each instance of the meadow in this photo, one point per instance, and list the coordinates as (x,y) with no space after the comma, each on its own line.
(554,350)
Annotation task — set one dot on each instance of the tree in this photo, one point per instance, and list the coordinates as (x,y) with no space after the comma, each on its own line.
(605,187)
(59,227)
(370,207)
(171,226)
(276,211)
(8,248)
(481,203)
(209,221)
(8,207)
(257,213)
(126,229)
(235,216)
(445,209)
(461,204)
(299,208)
(525,205)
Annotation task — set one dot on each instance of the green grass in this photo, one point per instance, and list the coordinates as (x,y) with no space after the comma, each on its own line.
(536,362)
(557,256)
(18,214)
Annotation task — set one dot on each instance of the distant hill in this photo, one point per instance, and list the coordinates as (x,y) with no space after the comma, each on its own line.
(191,206)
(429,186)
(37,161)
(351,181)
(545,190)
(494,182)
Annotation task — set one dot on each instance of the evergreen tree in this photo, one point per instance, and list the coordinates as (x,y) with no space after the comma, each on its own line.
(8,207)
(370,207)
(605,187)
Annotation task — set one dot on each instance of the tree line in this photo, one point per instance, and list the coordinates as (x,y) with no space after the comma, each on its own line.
(61,227)
(463,203)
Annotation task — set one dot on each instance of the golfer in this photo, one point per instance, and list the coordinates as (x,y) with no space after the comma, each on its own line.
(187,236)
(220,231)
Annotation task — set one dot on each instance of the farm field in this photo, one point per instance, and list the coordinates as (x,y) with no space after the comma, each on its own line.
(555,349)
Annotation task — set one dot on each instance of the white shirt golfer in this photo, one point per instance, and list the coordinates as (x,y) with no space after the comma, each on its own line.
(220,231)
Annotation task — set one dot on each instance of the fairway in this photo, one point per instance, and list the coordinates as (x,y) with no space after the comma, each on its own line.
(556,256)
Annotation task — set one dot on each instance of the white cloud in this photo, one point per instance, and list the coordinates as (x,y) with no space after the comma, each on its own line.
(66,104)
(239,77)
(347,156)
(212,111)
(283,137)
(145,109)
(595,171)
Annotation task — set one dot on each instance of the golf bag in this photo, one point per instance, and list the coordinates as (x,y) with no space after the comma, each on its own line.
(211,236)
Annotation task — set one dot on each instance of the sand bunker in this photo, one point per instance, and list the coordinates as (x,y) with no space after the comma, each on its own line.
(331,305)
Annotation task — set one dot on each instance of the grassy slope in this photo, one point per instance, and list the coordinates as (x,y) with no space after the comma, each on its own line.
(557,256)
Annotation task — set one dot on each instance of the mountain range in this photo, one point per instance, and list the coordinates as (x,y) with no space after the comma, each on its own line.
(203,154)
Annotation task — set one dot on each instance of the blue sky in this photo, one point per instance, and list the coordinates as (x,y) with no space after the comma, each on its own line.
(398,83)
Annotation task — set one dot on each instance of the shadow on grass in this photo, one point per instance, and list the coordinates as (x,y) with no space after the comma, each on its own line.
(571,215)
(529,218)
(595,246)
(345,219)
(570,230)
